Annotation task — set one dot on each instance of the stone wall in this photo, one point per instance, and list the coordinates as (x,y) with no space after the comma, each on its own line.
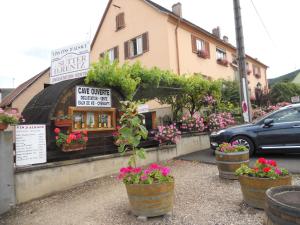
(41,180)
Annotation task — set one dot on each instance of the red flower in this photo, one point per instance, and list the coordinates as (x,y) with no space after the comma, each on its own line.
(57,130)
(68,140)
(85,139)
(262,160)
(266,169)
(85,132)
(255,169)
(272,163)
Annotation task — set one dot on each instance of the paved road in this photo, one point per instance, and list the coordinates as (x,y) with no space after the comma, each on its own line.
(288,161)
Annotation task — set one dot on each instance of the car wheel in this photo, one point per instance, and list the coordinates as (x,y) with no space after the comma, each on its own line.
(245,141)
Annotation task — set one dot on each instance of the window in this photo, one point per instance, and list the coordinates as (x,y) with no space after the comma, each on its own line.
(200,47)
(113,54)
(120,21)
(248,68)
(288,115)
(136,46)
(221,57)
(93,119)
(256,71)
(221,54)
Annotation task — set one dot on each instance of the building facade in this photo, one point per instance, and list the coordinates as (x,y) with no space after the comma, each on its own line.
(141,30)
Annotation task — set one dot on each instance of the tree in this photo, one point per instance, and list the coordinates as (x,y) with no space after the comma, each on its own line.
(282,92)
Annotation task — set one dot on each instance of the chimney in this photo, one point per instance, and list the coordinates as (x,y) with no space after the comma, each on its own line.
(177,9)
(225,38)
(216,32)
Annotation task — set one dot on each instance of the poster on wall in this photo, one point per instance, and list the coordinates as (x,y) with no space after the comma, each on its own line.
(70,62)
(93,97)
(31,144)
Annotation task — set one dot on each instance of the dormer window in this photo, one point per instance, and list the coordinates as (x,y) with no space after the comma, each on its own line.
(120,21)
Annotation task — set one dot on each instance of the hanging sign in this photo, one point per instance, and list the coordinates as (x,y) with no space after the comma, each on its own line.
(144,108)
(70,62)
(92,97)
(295,99)
(30,144)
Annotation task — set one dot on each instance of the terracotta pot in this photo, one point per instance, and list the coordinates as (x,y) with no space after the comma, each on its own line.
(73,148)
(3,126)
(254,188)
(228,163)
(151,200)
(63,123)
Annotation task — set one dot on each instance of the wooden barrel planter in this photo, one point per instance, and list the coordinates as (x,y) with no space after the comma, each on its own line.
(3,126)
(282,206)
(149,200)
(228,163)
(73,148)
(254,188)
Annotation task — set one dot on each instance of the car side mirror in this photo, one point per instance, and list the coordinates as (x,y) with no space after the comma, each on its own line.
(268,122)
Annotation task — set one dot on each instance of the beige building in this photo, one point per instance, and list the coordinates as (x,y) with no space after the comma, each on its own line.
(143,30)
(20,96)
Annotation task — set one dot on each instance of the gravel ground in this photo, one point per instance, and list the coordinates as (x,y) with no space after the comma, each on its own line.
(200,198)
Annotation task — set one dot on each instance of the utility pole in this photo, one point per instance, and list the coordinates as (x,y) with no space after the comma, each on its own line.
(244,93)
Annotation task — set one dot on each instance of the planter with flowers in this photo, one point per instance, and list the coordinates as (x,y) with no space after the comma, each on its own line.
(255,181)
(151,190)
(203,54)
(229,158)
(75,141)
(167,135)
(222,62)
(63,121)
(8,118)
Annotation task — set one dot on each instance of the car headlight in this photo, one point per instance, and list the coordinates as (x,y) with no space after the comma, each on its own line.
(215,133)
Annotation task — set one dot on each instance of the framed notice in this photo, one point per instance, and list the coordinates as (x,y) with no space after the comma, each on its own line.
(70,62)
(93,97)
(30,144)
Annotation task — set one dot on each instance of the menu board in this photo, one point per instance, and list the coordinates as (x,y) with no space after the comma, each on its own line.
(30,144)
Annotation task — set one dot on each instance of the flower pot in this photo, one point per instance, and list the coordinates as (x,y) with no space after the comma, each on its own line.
(73,147)
(63,123)
(3,126)
(282,205)
(149,200)
(228,163)
(254,188)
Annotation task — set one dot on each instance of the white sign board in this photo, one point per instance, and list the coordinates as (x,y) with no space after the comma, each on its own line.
(92,97)
(143,108)
(295,99)
(70,62)
(30,144)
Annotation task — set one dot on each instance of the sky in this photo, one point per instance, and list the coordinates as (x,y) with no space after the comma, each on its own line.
(31,29)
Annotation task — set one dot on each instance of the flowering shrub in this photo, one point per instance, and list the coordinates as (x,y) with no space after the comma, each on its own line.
(167,134)
(209,100)
(153,174)
(263,168)
(10,118)
(192,123)
(233,147)
(257,113)
(77,137)
(217,121)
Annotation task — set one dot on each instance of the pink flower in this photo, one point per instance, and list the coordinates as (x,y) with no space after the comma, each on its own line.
(154,166)
(144,177)
(137,170)
(278,171)
(147,171)
(165,171)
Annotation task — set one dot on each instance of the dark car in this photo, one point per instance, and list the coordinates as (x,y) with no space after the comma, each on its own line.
(278,131)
